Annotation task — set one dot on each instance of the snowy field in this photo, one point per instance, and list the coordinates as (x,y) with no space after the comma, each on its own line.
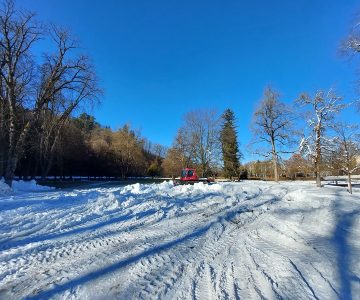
(249,240)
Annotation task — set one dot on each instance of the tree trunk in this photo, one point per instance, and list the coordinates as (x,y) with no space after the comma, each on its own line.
(10,170)
(318,156)
(317,174)
(11,159)
(48,157)
(2,138)
(274,159)
(2,157)
(348,166)
(276,171)
(349,183)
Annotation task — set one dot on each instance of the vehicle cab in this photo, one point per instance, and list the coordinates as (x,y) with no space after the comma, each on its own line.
(188,174)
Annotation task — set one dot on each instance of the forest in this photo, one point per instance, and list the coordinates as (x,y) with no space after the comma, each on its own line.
(46,128)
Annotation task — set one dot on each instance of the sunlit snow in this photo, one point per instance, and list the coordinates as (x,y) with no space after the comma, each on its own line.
(246,240)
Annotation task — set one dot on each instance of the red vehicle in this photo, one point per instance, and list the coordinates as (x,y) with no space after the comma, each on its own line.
(189,175)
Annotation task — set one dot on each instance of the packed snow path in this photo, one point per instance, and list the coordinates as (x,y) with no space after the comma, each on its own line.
(249,240)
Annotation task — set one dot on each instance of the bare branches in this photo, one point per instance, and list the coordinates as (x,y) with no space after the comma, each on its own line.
(19,32)
(273,127)
(67,74)
(324,108)
(64,81)
(67,81)
(351,44)
(198,139)
(348,150)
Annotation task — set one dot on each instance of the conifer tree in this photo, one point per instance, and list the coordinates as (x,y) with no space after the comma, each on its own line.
(229,145)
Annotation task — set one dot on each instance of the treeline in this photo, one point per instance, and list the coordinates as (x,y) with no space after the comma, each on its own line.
(310,129)
(39,135)
(85,148)
(208,142)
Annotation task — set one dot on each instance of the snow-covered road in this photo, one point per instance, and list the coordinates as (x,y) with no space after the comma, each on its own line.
(246,240)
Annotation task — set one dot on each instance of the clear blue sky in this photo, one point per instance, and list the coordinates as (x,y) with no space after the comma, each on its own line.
(158,60)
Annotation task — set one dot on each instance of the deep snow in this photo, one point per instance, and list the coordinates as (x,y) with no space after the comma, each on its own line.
(245,240)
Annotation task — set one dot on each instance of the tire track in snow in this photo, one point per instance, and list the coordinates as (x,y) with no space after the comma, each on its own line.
(201,248)
(304,280)
(61,254)
(174,262)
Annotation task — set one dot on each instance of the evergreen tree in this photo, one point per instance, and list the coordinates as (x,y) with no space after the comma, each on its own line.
(86,123)
(229,145)
(154,168)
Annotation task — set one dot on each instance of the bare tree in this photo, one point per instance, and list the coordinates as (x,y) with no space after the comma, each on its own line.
(159,151)
(173,162)
(183,145)
(260,169)
(18,34)
(348,150)
(178,156)
(297,166)
(199,138)
(127,148)
(352,42)
(324,107)
(273,128)
(350,46)
(65,80)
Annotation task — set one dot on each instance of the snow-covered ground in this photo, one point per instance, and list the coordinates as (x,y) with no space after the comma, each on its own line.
(20,186)
(247,240)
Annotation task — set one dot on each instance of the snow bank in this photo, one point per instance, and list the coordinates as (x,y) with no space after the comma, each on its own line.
(22,186)
(168,188)
(29,186)
(4,188)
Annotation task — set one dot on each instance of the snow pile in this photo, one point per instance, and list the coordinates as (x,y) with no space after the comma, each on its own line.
(168,187)
(103,204)
(21,186)
(4,188)
(132,189)
(29,186)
